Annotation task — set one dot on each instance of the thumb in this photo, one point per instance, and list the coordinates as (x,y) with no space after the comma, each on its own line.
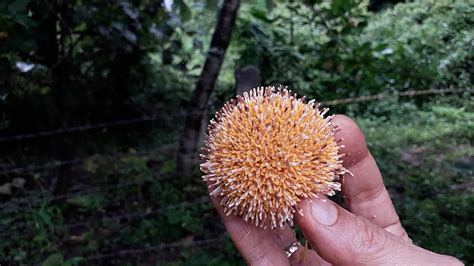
(343,238)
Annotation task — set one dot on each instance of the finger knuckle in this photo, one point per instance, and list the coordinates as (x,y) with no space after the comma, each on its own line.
(370,242)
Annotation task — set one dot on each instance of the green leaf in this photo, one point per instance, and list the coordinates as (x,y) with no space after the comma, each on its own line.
(55,259)
(18,6)
(87,202)
(168,167)
(184,11)
(339,7)
(269,4)
(260,14)
(212,5)
(46,218)
(174,216)
(24,20)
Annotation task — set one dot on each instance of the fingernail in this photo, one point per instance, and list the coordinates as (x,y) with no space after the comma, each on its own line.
(323,211)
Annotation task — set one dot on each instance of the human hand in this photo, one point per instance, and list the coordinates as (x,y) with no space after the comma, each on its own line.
(369,234)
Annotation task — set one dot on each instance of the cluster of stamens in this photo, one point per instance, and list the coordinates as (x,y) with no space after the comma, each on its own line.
(267,150)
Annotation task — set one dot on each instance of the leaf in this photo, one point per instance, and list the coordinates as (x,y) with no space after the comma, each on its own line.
(184,11)
(18,6)
(129,10)
(174,217)
(260,14)
(24,67)
(168,167)
(6,189)
(129,35)
(339,7)
(87,202)
(24,20)
(18,182)
(75,261)
(269,4)
(211,5)
(3,35)
(55,259)
(157,32)
(46,218)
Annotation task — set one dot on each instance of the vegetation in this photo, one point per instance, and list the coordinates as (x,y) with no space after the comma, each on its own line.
(116,79)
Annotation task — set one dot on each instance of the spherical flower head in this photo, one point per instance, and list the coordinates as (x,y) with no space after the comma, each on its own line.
(268,150)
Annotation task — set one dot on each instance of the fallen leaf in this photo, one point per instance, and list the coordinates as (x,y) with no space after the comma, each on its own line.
(18,182)
(6,189)
(3,35)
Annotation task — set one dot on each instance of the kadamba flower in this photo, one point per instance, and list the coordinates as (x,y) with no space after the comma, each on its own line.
(266,151)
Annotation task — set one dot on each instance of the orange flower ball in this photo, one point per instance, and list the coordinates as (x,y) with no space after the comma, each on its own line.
(268,150)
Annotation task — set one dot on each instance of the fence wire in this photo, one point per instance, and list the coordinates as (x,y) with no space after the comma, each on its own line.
(410,93)
(15,204)
(52,164)
(79,128)
(56,163)
(34,201)
(177,244)
(382,96)
(129,215)
(124,253)
(45,196)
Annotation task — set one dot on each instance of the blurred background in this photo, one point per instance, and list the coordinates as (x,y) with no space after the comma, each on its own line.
(103,105)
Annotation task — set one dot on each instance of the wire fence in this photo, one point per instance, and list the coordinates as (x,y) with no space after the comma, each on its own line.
(356,99)
(142,214)
(381,96)
(33,201)
(136,252)
(57,163)
(52,164)
(46,196)
(79,128)
(126,253)
(118,220)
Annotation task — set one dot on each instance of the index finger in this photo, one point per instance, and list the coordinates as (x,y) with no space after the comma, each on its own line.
(264,247)
(364,191)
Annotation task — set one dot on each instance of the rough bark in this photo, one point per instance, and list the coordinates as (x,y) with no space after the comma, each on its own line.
(195,120)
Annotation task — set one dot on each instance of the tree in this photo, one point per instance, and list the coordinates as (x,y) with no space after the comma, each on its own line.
(197,108)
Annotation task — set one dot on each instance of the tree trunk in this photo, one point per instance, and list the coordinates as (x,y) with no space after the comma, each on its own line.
(194,125)
(60,12)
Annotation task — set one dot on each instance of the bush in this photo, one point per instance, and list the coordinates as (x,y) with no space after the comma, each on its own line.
(425,155)
(328,51)
(428,43)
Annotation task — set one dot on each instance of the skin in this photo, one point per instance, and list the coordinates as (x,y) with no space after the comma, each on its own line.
(368,233)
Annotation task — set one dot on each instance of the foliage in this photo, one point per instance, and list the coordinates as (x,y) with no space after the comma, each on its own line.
(49,55)
(326,51)
(428,43)
(426,157)
(305,46)
(425,154)
(67,63)
(131,207)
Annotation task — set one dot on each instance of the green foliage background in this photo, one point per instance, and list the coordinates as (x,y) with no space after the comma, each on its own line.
(107,61)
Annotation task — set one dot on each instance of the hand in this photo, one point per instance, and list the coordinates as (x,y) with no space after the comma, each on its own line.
(369,234)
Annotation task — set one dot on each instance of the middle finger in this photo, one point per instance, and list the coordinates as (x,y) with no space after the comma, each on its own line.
(364,191)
